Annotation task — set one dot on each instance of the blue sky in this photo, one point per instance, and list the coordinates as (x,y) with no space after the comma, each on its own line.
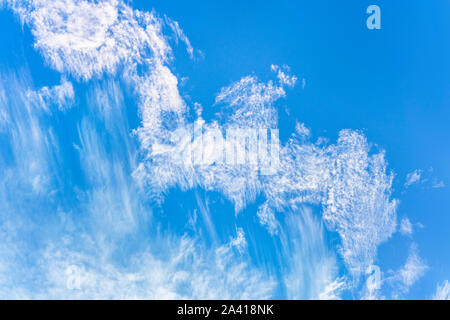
(97,99)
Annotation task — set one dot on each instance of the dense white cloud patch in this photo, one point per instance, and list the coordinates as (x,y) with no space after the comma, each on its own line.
(358,200)
(251,102)
(87,38)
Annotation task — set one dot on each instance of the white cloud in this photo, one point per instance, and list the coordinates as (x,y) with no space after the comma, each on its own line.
(302,130)
(285,79)
(438,184)
(31,143)
(110,194)
(346,179)
(442,291)
(30,172)
(406,227)
(309,269)
(350,183)
(88,38)
(413,177)
(240,243)
(79,266)
(74,256)
(61,95)
(75,36)
(266,216)
(180,35)
(334,289)
(252,101)
(419,177)
(412,271)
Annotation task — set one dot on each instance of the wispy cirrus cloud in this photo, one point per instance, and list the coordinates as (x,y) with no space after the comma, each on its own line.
(426,178)
(75,255)
(413,178)
(30,173)
(406,227)
(180,35)
(61,95)
(347,180)
(413,269)
(309,268)
(186,270)
(442,291)
(437,184)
